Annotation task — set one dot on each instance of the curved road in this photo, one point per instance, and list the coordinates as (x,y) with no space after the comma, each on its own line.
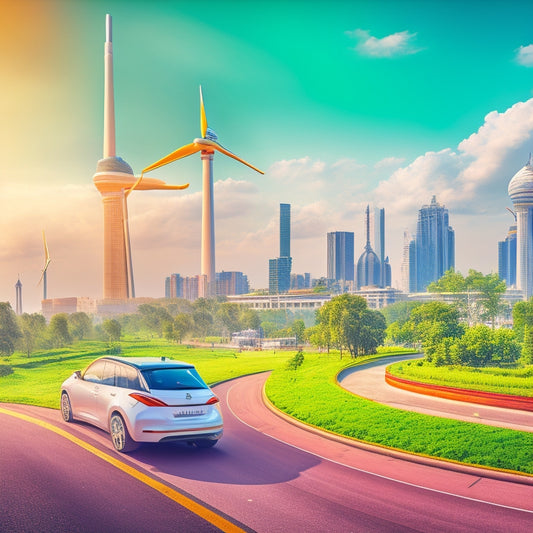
(253,475)
(369,382)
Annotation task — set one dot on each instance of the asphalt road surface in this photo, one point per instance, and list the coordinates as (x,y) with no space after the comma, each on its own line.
(369,381)
(267,474)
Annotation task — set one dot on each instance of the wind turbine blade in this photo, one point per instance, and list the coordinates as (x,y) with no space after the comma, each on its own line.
(229,154)
(129,191)
(184,151)
(203,118)
(46,254)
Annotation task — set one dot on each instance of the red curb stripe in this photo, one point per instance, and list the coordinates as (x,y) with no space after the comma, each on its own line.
(463,395)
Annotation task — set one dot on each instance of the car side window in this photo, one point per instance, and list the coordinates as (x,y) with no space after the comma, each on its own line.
(128,378)
(95,372)
(109,373)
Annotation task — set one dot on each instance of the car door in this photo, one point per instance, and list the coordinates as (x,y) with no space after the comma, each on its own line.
(83,397)
(105,394)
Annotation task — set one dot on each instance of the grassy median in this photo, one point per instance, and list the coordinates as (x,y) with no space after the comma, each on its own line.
(515,381)
(310,394)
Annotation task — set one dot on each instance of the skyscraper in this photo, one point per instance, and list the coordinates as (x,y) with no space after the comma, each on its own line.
(507,258)
(279,269)
(284,230)
(377,229)
(521,193)
(368,265)
(341,256)
(434,244)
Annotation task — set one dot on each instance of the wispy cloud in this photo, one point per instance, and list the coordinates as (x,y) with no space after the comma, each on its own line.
(524,55)
(396,44)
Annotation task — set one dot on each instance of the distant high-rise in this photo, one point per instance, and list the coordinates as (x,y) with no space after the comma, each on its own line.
(521,193)
(434,245)
(368,265)
(507,258)
(377,229)
(285,230)
(18,296)
(340,256)
(279,269)
(231,283)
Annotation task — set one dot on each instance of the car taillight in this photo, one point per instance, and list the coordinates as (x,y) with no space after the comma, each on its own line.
(212,400)
(148,400)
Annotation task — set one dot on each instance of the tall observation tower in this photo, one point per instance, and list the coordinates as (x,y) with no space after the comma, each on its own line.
(114,180)
(521,193)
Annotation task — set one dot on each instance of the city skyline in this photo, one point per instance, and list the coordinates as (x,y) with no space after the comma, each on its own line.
(382,106)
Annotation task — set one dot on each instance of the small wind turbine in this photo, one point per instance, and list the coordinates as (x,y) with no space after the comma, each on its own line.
(207,144)
(45,268)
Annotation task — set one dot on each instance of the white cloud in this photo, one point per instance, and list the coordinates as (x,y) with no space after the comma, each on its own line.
(294,169)
(524,55)
(389,162)
(396,44)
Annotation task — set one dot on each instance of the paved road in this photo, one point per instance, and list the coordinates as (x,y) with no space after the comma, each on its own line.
(265,473)
(369,381)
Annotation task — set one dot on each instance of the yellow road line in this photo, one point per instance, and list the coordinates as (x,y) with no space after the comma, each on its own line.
(191,505)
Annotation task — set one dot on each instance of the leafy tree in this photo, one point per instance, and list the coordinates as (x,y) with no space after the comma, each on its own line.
(452,281)
(527,345)
(203,321)
(433,321)
(491,289)
(80,325)
(298,330)
(250,318)
(153,317)
(33,327)
(183,325)
(399,312)
(522,317)
(112,330)
(228,314)
(59,333)
(9,329)
(347,323)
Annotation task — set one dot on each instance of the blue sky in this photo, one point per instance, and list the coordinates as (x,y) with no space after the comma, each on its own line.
(340,103)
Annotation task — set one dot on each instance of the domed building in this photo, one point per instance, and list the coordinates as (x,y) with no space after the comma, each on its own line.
(368,265)
(521,193)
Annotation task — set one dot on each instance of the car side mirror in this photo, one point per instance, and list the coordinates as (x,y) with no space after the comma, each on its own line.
(78,374)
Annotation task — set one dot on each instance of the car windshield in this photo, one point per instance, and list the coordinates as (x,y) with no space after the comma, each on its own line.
(173,379)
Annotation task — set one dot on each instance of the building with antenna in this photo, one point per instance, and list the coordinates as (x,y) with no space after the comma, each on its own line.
(368,265)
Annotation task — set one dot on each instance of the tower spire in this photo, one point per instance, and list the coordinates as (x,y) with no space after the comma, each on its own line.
(109,97)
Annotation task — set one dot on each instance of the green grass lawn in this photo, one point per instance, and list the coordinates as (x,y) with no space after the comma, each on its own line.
(310,393)
(37,380)
(515,381)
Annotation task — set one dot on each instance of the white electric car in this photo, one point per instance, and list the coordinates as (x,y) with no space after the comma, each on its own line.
(143,399)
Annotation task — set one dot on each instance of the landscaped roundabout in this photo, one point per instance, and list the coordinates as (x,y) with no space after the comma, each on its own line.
(304,388)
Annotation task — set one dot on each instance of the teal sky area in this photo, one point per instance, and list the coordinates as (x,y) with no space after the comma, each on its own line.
(341,103)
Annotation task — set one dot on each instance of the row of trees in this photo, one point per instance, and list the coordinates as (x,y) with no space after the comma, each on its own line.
(447,339)
(30,332)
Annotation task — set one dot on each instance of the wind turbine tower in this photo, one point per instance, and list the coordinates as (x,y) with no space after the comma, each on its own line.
(18,296)
(207,144)
(115,180)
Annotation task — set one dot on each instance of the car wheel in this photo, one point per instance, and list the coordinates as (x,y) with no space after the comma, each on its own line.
(66,409)
(120,436)
(205,443)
